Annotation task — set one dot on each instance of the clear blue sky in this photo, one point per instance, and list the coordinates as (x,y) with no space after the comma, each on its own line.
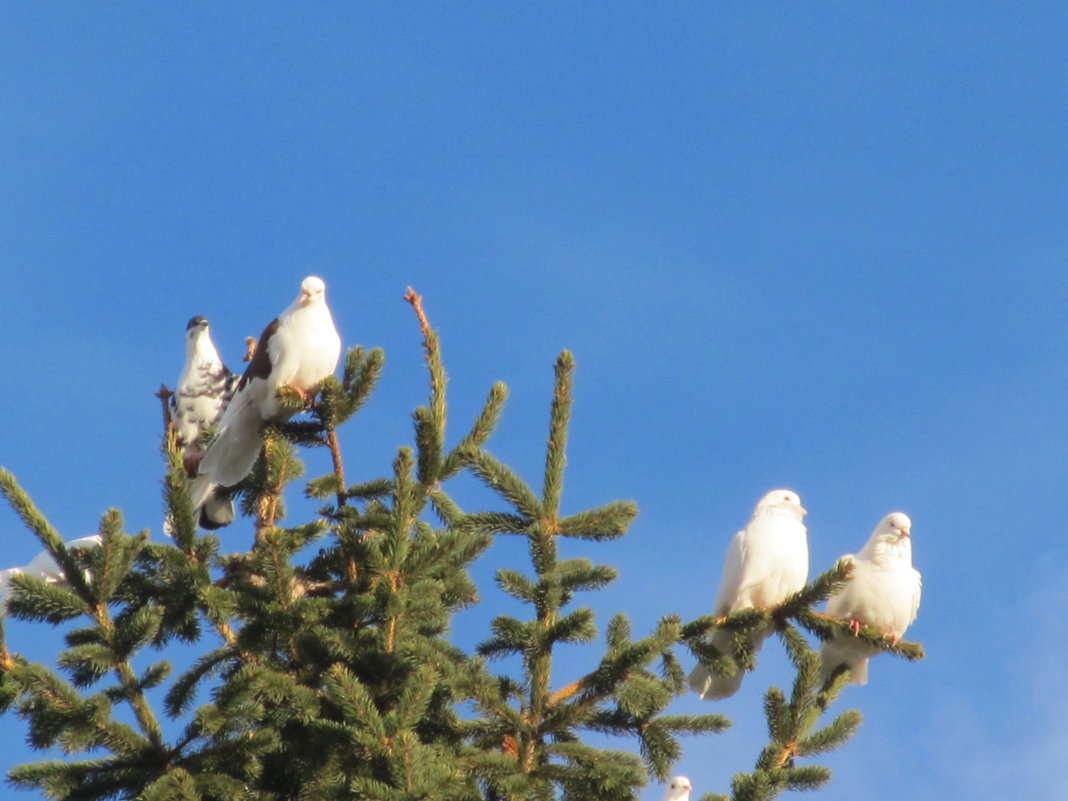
(819,246)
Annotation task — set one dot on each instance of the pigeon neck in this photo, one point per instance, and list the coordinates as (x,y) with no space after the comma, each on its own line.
(204,350)
(887,549)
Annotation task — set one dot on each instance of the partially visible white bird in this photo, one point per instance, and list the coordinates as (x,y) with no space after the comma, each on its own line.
(298,349)
(767,561)
(204,389)
(43,566)
(678,790)
(883,592)
(5,584)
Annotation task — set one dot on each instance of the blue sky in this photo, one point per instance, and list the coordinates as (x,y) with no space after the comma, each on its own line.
(819,246)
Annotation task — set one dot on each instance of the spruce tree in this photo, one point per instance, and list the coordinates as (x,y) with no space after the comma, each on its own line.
(326,668)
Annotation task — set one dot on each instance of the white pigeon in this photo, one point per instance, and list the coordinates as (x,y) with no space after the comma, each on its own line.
(43,566)
(298,349)
(678,790)
(883,592)
(767,561)
(204,389)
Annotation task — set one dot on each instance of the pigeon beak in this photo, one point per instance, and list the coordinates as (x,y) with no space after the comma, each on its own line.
(904,532)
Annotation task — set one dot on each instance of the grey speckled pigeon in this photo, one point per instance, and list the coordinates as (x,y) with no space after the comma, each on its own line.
(203,392)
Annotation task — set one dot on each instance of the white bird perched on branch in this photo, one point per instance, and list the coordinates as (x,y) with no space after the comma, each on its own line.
(883,592)
(298,350)
(767,561)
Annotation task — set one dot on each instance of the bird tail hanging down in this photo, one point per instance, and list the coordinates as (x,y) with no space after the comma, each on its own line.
(715,687)
(711,686)
(229,457)
(213,505)
(232,453)
(837,652)
(218,510)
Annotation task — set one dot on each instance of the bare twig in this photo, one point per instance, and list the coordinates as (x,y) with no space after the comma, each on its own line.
(339,468)
(164,396)
(417,304)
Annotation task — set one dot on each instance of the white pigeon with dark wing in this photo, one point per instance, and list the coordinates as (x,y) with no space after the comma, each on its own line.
(43,566)
(203,392)
(883,592)
(678,790)
(298,349)
(767,561)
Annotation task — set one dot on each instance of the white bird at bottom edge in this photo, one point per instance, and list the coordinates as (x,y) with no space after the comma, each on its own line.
(678,790)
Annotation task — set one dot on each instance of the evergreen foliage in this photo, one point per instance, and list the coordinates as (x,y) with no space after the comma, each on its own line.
(327,672)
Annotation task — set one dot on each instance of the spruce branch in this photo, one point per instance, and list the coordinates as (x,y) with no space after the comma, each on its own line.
(479,433)
(376,488)
(360,376)
(606,522)
(791,729)
(499,478)
(176,494)
(555,455)
(819,589)
(433,420)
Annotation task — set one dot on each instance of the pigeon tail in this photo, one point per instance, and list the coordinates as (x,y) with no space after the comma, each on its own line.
(711,686)
(858,671)
(218,510)
(714,688)
(233,453)
(199,490)
(842,652)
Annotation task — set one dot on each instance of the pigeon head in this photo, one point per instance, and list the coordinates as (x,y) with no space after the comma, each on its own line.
(892,537)
(899,524)
(198,340)
(781,501)
(312,290)
(678,790)
(194,330)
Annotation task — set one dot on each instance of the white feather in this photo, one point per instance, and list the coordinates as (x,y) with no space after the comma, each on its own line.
(232,454)
(883,592)
(302,349)
(767,561)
